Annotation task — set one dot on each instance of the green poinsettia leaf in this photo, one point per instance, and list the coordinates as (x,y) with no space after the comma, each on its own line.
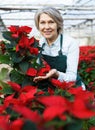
(13,115)
(7,35)
(74,125)
(55,123)
(27,81)
(15,57)
(20,78)
(5,59)
(92,121)
(17,77)
(28,125)
(6,89)
(11,46)
(36,64)
(3,73)
(24,66)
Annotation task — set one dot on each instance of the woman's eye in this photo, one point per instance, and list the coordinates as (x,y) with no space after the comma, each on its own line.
(42,22)
(51,22)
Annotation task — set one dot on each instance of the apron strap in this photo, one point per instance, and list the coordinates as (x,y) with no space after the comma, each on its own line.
(61,41)
(40,53)
(42,49)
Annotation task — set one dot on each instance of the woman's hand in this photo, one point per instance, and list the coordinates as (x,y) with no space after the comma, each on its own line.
(50,74)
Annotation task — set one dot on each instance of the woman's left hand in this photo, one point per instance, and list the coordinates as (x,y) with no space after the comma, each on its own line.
(51,73)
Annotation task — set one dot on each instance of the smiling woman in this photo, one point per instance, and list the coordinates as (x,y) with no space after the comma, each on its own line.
(60,51)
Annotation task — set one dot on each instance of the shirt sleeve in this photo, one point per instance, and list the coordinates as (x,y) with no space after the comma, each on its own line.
(72,63)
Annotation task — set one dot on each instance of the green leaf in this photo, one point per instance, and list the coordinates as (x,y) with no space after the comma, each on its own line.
(92,121)
(56,123)
(15,76)
(13,115)
(7,35)
(16,58)
(3,73)
(76,125)
(24,66)
(6,89)
(27,81)
(11,45)
(4,59)
(28,125)
(85,125)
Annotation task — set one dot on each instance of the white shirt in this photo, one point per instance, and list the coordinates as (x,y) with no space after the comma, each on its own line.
(70,48)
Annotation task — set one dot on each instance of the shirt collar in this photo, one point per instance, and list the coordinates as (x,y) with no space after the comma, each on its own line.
(56,42)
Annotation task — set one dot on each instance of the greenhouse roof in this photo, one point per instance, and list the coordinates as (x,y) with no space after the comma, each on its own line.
(77,14)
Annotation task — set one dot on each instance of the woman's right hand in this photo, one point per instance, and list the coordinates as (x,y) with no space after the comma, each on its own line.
(53,73)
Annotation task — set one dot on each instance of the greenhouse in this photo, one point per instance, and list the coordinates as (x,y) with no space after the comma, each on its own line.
(35,94)
(78,15)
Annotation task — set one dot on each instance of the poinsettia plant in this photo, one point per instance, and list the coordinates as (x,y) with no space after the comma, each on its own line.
(87,66)
(21,53)
(24,105)
(66,108)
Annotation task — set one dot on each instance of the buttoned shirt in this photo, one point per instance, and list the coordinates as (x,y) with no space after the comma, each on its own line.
(70,48)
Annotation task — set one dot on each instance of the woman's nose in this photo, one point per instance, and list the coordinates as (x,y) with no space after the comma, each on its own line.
(47,25)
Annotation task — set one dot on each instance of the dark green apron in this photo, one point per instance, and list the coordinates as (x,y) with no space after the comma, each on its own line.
(59,62)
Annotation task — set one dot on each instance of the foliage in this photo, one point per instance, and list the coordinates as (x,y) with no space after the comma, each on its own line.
(22,54)
(24,105)
(87,66)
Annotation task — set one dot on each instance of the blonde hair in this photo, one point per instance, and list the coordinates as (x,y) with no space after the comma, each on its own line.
(54,14)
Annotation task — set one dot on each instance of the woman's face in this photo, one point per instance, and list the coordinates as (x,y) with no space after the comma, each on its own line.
(48,27)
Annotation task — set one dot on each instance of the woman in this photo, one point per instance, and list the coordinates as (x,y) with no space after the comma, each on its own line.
(59,50)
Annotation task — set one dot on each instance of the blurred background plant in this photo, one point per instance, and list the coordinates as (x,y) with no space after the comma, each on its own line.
(87,66)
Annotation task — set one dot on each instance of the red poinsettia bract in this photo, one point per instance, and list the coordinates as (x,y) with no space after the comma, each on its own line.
(18,31)
(16,124)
